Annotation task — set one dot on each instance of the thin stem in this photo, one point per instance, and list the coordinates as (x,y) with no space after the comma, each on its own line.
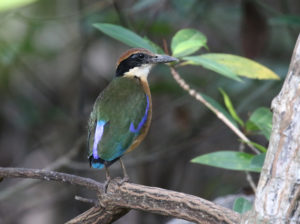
(221,116)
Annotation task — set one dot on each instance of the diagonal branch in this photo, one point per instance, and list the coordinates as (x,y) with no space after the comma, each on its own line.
(221,116)
(120,198)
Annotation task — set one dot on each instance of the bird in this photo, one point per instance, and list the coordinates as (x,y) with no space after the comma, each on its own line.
(121,115)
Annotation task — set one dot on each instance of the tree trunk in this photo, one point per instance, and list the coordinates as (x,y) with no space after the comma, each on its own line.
(278,191)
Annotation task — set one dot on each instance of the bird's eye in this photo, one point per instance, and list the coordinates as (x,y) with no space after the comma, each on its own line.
(137,56)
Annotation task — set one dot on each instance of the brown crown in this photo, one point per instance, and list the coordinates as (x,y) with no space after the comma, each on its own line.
(132,51)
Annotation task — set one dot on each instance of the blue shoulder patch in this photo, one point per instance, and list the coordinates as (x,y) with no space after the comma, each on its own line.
(143,121)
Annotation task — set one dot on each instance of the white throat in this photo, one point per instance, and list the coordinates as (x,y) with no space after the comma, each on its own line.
(141,71)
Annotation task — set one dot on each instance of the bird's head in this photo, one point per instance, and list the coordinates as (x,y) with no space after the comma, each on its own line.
(139,61)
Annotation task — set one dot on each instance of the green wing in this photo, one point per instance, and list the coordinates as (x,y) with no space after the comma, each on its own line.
(122,107)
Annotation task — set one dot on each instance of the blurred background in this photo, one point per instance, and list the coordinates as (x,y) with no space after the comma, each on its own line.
(53,65)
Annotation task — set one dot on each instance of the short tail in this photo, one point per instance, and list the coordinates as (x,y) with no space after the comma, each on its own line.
(100,163)
(96,163)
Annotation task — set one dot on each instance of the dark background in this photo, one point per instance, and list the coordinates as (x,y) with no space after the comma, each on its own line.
(53,64)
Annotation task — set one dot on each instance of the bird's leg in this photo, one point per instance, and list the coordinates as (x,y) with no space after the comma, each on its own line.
(125,175)
(108,179)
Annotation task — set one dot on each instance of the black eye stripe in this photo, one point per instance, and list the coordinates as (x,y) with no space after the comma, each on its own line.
(134,60)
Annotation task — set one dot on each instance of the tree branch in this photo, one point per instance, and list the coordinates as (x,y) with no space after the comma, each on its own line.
(120,198)
(51,175)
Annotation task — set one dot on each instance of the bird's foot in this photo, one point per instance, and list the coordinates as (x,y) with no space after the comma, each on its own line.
(106,183)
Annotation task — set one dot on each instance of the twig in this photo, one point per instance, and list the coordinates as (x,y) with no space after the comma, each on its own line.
(87,200)
(248,175)
(119,199)
(198,97)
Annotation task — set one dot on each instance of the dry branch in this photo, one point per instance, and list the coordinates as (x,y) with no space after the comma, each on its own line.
(120,198)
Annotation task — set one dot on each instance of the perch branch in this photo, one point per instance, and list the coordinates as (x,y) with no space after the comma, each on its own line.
(120,198)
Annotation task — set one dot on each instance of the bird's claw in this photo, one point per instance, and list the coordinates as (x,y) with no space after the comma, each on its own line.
(122,181)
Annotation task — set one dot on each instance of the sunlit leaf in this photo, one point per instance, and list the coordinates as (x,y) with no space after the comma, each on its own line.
(12,4)
(242,205)
(262,118)
(230,108)
(228,160)
(218,106)
(124,35)
(242,66)
(211,65)
(187,41)
(258,146)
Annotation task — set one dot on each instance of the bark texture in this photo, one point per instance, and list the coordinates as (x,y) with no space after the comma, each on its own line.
(278,191)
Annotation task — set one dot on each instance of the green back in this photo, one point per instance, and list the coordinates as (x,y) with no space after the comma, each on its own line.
(123,101)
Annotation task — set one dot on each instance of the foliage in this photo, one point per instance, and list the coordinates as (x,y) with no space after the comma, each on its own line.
(125,35)
(261,119)
(186,42)
(241,66)
(229,160)
(242,205)
(12,4)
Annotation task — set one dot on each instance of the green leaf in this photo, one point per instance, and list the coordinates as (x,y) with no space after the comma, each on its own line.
(262,118)
(242,205)
(242,66)
(258,146)
(290,20)
(250,126)
(230,107)
(186,42)
(221,109)
(228,160)
(11,4)
(124,35)
(258,160)
(211,65)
